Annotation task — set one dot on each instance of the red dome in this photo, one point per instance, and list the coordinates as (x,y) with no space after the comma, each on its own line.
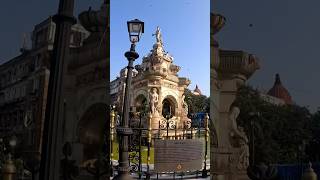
(197,91)
(279,91)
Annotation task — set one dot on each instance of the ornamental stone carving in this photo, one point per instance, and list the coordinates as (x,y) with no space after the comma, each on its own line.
(174,68)
(229,70)
(154,99)
(243,162)
(239,139)
(184,104)
(158,35)
(157,77)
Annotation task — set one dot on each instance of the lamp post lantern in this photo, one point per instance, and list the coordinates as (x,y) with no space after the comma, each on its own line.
(13,142)
(135,29)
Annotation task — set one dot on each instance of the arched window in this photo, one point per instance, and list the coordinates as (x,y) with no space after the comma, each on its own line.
(168,107)
(140,103)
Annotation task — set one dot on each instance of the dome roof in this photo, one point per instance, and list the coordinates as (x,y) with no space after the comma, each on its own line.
(279,91)
(197,91)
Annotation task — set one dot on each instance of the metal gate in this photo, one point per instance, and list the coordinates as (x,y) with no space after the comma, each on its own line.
(141,155)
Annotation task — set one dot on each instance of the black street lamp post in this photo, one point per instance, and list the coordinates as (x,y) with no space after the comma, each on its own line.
(54,117)
(135,29)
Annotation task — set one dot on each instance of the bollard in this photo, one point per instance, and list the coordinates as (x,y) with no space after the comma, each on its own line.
(309,173)
(9,170)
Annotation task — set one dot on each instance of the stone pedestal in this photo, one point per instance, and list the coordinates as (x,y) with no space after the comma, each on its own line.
(155,121)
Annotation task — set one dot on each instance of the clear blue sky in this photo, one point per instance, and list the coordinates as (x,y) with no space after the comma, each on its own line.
(20,16)
(185,30)
(285,35)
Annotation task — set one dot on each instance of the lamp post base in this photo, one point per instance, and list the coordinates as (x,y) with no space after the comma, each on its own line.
(123,177)
(204,173)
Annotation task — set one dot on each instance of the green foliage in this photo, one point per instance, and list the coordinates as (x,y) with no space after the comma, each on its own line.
(279,131)
(313,148)
(196,103)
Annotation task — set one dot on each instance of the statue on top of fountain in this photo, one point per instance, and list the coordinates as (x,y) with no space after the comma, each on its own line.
(158,35)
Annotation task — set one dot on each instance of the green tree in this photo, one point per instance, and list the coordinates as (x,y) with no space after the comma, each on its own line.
(197,103)
(279,131)
(313,148)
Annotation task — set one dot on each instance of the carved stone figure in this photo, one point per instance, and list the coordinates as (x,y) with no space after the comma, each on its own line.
(240,138)
(243,162)
(154,98)
(158,35)
(184,104)
(234,113)
(236,132)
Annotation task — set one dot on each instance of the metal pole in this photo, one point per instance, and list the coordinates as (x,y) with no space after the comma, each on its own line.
(191,133)
(112,114)
(167,126)
(159,130)
(199,130)
(184,126)
(53,125)
(149,144)
(125,131)
(175,130)
(140,155)
(204,171)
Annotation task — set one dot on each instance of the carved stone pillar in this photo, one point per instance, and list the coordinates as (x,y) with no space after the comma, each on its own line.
(217,23)
(229,70)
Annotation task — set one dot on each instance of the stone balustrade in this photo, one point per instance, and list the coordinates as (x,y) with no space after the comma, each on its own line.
(237,62)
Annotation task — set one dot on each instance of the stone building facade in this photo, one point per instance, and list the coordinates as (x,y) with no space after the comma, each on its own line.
(24,83)
(117,87)
(23,92)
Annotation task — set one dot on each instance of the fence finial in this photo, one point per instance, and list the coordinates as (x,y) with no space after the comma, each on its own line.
(309,173)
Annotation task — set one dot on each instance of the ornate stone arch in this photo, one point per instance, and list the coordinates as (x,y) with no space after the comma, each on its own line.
(171,101)
(90,97)
(140,97)
(90,130)
(139,102)
(96,96)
